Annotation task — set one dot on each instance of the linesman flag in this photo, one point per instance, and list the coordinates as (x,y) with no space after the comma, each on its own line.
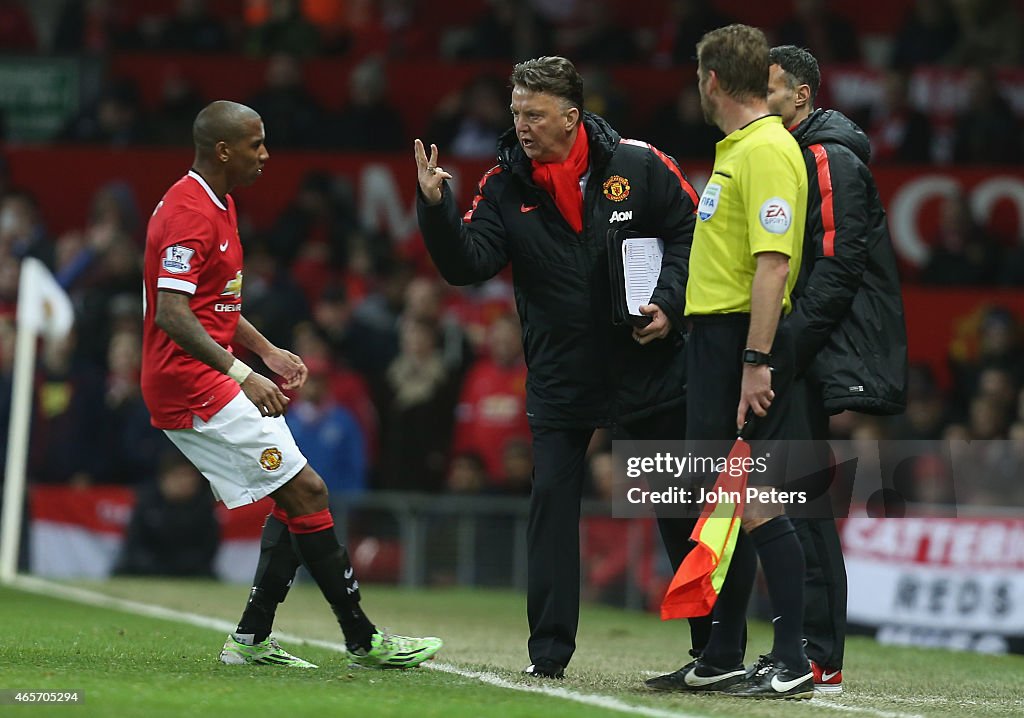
(695,587)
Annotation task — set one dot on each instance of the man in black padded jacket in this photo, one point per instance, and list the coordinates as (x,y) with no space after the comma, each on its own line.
(564,179)
(851,339)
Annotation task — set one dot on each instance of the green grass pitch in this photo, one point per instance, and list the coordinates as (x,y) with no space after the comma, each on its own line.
(132,665)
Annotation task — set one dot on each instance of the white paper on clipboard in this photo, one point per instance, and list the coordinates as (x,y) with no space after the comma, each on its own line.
(641,267)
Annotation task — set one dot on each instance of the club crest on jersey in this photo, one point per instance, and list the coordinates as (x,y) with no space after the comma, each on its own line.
(233,288)
(616,188)
(270,459)
(776,215)
(177,259)
(709,201)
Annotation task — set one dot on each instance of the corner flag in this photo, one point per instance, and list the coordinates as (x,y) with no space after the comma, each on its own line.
(43,305)
(44,308)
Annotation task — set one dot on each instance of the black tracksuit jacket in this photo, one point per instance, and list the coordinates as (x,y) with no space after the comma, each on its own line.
(583,371)
(847,316)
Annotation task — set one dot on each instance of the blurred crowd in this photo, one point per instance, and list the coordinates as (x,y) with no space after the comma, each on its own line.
(415,385)
(979,37)
(591,31)
(979,419)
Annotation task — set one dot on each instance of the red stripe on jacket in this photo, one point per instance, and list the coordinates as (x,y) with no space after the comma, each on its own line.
(828,217)
(687,187)
(480,191)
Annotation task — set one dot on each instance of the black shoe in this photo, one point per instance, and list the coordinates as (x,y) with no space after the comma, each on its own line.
(544,668)
(770,678)
(697,677)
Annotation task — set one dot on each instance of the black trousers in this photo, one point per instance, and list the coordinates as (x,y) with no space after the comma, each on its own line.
(825,588)
(553,533)
(675,531)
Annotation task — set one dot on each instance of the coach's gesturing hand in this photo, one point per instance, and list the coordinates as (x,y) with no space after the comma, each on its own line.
(430,176)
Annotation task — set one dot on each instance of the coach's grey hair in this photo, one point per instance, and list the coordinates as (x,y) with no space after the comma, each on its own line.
(553,75)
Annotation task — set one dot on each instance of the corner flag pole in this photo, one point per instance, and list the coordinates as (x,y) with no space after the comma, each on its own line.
(43,308)
(17,451)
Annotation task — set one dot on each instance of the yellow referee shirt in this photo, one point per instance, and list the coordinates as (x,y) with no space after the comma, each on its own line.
(755,201)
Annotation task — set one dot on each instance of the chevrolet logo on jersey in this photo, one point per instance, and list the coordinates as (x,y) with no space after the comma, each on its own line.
(234,286)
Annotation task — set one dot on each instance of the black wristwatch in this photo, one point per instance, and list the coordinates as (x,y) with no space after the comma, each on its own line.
(752,356)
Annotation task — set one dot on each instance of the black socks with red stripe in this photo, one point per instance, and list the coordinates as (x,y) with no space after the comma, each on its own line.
(328,563)
(274,575)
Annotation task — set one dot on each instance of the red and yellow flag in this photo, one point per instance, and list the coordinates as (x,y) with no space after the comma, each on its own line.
(695,587)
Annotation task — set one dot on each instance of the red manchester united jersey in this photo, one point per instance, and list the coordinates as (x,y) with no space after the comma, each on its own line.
(492,412)
(192,247)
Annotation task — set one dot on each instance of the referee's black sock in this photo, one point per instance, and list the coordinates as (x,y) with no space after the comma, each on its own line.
(700,631)
(328,564)
(783,563)
(274,575)
(729,617)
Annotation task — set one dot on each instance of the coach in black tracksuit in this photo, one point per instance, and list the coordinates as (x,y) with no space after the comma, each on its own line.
(851,339)
(564,179)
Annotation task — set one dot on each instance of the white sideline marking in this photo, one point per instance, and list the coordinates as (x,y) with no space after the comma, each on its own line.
(94,598)
(823,703)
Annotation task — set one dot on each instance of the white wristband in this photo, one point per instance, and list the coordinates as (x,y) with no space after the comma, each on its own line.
(239,371)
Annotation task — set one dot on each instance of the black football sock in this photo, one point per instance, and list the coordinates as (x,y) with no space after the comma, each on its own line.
(274,575)
(783,563)
(729,617)
(700,631)
(328,564)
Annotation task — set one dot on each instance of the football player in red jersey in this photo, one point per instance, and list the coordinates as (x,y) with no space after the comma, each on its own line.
(226,418)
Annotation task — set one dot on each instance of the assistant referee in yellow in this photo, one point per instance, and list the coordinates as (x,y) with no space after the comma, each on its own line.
(744,262)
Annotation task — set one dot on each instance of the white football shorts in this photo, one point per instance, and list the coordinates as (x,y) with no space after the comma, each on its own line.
(244,455)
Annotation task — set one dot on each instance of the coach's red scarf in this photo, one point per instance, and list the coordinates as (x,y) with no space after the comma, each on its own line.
(562,179)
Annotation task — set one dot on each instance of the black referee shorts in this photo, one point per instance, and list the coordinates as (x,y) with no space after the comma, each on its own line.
(714,355)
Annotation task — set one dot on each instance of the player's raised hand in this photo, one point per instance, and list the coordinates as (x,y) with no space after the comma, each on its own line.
(430,176)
